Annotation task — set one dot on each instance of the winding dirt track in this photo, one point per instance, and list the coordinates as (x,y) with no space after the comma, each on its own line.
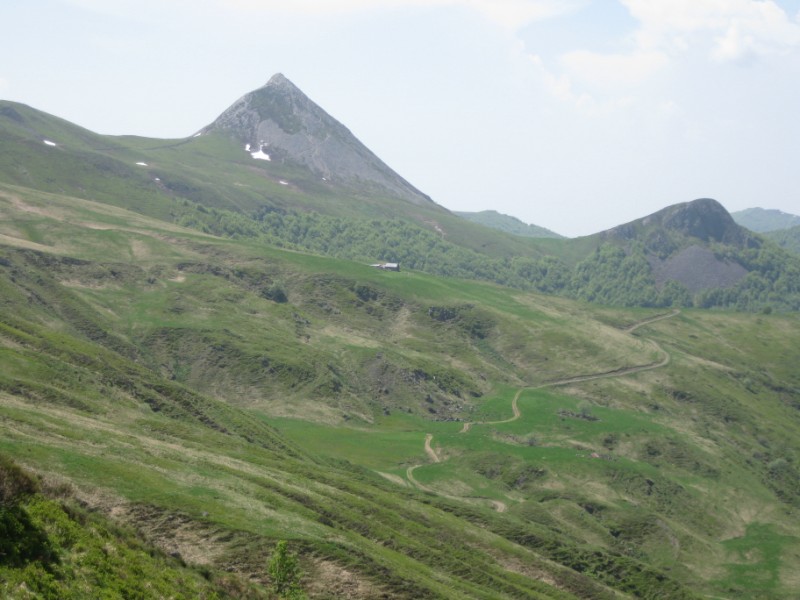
(430,451)
(636,326)
(414,482)
(501,506)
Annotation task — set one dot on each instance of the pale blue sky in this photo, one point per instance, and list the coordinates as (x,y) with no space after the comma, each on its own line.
(576,115)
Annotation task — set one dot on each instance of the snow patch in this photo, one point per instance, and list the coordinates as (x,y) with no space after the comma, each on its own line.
(282,182)
(198,134)
(260,154)
(157,179)
(142,164)
(247,147)
(49,143)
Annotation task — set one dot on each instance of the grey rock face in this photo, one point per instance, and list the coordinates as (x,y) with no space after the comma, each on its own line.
(698,269)
(283,122)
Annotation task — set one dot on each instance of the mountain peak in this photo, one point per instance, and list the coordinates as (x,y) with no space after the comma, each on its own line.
(678,242)
(280,83)
(279,79)
(703,219)
(279,120)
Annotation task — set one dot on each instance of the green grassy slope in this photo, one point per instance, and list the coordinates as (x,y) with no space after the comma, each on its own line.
(73,372)
(219,395)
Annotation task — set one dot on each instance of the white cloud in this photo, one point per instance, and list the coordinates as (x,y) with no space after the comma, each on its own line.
(564,89)
(559,86)
(735,45)
(732,30)
(512,14)
(669,108)
(596,83)
(314,7)
(613,70)
(669,38)
(518,13)
(128,8)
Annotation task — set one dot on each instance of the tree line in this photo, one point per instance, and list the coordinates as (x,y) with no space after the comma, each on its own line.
(610,275)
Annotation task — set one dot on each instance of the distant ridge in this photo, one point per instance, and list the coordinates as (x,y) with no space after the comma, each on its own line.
(507,223)
(764,220)
(279,121)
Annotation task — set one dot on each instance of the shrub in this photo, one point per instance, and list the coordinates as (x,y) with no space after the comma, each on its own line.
(284,572)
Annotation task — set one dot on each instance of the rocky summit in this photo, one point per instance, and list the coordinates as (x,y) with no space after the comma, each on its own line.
(704,219)
(684,243)
(280,122)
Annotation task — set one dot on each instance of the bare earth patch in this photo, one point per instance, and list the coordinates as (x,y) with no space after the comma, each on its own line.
(333,581)
(347,337)
(19,204)
(517,566)
(393,478)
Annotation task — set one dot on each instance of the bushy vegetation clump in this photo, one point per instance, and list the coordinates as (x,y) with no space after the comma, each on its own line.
(21,540)
(284,573)
(53,549)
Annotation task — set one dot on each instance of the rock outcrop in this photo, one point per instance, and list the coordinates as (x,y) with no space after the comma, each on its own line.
(280,121)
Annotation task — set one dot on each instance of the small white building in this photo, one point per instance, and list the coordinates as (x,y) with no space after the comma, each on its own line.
(387,266)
